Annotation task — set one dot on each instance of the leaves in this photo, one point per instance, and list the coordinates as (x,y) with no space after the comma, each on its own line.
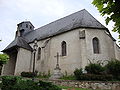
(111,8)
(107,20)
(3,58)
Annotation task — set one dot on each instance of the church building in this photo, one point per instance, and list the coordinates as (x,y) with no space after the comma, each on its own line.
(76,39)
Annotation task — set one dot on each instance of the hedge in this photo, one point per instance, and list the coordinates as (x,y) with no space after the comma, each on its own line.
(17,83)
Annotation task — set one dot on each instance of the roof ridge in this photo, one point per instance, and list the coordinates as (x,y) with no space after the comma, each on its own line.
(95,18)
(60,18)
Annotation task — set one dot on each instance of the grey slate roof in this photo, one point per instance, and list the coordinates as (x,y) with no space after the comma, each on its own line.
(18,42)
(79,19)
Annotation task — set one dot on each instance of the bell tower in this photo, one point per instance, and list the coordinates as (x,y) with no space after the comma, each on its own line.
(23,28)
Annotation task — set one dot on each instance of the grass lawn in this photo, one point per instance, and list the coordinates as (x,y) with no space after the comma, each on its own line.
(72,88)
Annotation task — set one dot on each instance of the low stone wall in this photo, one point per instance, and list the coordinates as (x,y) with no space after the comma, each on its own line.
(103,85)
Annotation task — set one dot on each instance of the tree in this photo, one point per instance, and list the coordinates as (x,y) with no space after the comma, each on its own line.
(111,9)
(3,59)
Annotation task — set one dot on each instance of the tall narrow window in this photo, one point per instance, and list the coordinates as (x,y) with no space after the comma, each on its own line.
(96,48)
(63,46)
(39,54)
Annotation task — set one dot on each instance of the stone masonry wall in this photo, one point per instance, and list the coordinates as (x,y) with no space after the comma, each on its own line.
(103,85)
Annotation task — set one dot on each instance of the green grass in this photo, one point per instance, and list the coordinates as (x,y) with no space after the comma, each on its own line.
(65,87)
(70,77)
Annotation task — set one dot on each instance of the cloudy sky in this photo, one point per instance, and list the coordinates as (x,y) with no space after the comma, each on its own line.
(39,12)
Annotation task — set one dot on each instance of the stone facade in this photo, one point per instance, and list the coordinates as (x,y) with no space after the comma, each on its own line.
(79,51)
(76,30)
(23,62)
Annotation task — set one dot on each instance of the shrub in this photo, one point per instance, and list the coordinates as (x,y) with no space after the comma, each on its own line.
(48,86)
(113,67)
(9,81)
(95,77)
(15,83)
(77,73)
(28,74)
(93,68)
(68,77)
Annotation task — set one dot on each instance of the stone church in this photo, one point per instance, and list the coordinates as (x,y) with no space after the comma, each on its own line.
(78,39)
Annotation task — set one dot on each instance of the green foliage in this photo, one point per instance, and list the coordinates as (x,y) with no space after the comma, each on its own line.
(113,67)
(77,73)
(48,86)
(9,81)
(93,68)
(28,74)
(3,59)
(68,77)
(44,75)
(111,71)
(17,83)
(92,75)
(95,77)
(111,9)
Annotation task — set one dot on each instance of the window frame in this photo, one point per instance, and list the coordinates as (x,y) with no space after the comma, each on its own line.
(63,48)
(96,45)
(39,54)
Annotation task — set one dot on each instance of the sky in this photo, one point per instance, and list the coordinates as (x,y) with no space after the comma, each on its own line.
(40,12)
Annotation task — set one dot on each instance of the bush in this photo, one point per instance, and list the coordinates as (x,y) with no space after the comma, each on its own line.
(9,81)
(44,75)
(28,74)
(15,83)
(113,67)
(93,68)
(68,77)
(77,73)
(94,77)
(48,86)
(109,72)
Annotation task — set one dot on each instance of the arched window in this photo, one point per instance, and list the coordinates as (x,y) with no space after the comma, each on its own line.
(39,54)
(63,47)
(96,48)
